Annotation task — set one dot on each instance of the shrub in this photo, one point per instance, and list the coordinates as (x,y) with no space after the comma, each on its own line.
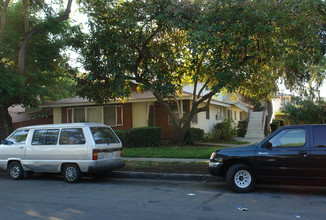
(242,128)
(122,136)
(140,137)
(224,130)
(194,135)
(276,124)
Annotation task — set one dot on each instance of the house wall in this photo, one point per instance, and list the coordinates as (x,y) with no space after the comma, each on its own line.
(215,116)
(162,120)
(124,115)
(57,115)
(139,115)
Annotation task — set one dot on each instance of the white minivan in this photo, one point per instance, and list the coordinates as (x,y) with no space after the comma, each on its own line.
(70,149)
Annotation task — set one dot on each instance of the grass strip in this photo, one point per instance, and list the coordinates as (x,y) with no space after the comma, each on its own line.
(187,152)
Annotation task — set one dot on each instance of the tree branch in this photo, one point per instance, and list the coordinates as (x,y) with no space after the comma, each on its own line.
(36,30)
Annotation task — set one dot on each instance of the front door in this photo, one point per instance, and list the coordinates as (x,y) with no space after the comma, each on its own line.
(286,154)
(318,152)
(14,148)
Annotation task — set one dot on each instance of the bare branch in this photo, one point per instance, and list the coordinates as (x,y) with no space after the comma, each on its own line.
(26,15)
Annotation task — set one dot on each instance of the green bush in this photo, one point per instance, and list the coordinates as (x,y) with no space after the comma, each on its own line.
(242,128)
(276,124)
(224,130)
(122,136)
(140,137)
(194,135)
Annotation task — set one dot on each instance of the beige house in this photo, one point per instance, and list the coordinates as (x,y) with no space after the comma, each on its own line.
(143,110)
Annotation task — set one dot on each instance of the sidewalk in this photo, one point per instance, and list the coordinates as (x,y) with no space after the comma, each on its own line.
(174,176)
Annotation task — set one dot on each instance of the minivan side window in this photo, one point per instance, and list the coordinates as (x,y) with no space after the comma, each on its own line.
(19,137)
(72,136)
(45,137)
(289,138)
(320,136)
(104,135)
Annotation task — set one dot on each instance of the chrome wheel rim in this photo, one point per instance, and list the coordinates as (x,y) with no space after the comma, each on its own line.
(242,179)
(15,171)
(71,173)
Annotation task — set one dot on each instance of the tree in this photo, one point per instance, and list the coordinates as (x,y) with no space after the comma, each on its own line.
(31,62)
(237,46)
(305,110)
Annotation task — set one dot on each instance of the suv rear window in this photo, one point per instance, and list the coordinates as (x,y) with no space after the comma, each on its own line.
(104,135)
(320,136)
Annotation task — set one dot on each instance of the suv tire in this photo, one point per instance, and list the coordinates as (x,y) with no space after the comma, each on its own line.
(240,178)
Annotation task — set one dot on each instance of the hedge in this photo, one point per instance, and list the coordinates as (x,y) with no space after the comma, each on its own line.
(194,135)
(140,137)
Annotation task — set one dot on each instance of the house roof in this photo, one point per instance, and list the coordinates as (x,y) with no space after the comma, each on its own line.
(146,96)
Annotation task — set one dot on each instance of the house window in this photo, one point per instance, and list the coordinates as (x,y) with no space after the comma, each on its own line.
(94,115)
(79,115)
(241,116)
(229,114)
(218,114)
(110,116)
(207,114)
(235,115)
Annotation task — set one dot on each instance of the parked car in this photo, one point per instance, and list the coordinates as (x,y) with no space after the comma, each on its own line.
(290,153)
(70,149)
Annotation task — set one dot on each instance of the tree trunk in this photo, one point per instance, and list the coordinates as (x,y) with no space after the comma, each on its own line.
(5,122)
(3,18)
(178,134)
(269,107)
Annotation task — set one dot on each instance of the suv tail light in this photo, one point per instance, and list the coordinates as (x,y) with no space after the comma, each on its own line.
(95,154)
(121,153)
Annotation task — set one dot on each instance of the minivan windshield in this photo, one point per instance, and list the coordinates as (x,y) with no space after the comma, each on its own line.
(104,135)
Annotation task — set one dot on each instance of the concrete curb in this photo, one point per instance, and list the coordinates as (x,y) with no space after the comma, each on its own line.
(165,176)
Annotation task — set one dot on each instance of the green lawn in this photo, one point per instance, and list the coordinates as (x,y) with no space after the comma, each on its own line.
(198,152)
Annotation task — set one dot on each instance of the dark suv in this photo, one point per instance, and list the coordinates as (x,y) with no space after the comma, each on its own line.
(295,152)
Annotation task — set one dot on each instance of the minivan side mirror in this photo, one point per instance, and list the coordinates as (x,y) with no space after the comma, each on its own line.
(4,142)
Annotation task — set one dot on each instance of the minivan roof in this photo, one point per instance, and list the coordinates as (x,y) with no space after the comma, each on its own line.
(66,125)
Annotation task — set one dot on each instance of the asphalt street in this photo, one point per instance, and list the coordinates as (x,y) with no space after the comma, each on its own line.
(49,197)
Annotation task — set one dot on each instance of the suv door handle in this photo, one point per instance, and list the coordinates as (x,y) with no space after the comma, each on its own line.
(304,153)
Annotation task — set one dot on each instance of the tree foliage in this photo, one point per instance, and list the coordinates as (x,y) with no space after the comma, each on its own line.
(33,68)
(163,45)
(305,111)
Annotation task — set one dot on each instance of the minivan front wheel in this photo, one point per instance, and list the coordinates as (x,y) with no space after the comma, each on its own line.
(71,173)
(240,178)
(15,171)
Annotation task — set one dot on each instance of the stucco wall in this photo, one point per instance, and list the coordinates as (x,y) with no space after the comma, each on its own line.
(57,116)
(139,114)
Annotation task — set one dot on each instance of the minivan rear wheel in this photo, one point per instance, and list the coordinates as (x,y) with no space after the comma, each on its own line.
(15,171)
(71,173)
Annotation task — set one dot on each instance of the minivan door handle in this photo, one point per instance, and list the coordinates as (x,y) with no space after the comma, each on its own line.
(303,152)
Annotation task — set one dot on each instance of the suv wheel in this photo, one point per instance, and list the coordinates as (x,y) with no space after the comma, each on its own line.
(240,178)
(15,171)
(71,173)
